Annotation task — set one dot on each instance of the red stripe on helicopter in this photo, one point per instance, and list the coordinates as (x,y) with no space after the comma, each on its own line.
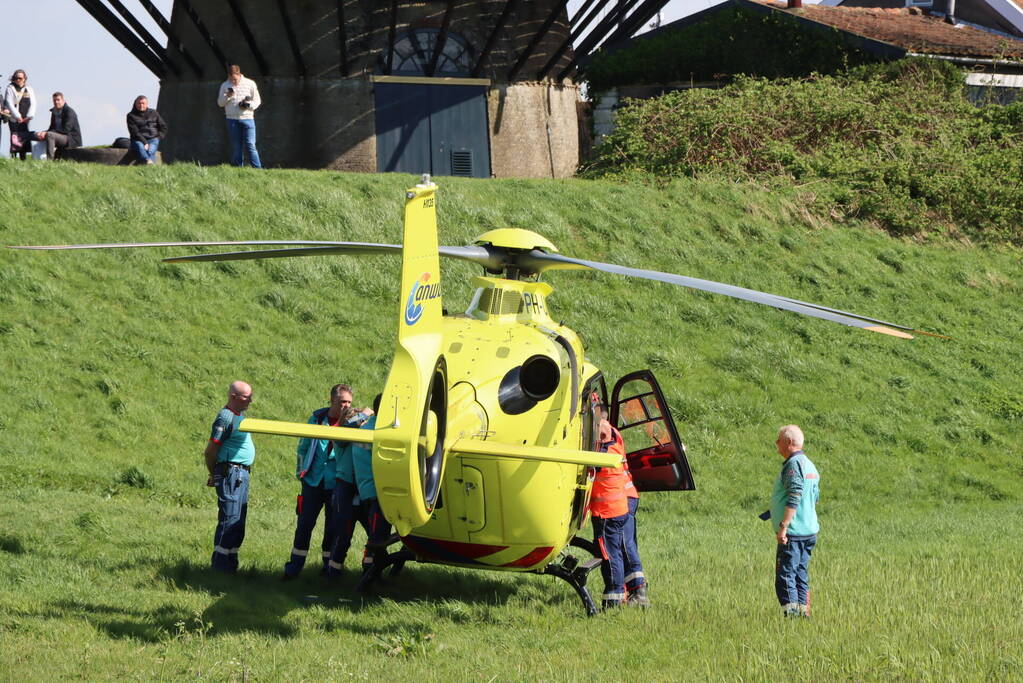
(450,551)
(531,558)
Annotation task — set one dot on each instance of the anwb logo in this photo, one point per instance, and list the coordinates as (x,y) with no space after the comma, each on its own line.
(422,290)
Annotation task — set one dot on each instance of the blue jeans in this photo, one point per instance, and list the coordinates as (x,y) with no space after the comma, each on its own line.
(311,502)
(140,149)
(791,571)
(609,535)
(232,508)
(634,576)
(242,134)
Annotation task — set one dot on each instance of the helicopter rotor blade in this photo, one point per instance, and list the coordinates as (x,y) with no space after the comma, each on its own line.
(471,254)
(539,261)
(474,254)
(350,248)
(140,245)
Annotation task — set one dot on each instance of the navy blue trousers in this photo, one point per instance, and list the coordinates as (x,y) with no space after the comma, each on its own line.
(634,576)
(346,514)
(314,500)
(791,571)
(378,529)
(609,535)
(232,508)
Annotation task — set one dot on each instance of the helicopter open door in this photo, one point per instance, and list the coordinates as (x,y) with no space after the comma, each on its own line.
(657,457)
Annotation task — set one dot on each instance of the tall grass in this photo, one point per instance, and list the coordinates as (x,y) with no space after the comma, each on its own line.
(113,366)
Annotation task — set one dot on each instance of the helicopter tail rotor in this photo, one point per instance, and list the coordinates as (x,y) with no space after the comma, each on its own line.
(409,448)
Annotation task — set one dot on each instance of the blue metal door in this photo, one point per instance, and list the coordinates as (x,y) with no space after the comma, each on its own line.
(436,129)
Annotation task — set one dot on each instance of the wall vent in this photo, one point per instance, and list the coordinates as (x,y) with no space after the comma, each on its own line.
(461,163)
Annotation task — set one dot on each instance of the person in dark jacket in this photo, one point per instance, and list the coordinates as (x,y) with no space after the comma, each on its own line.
(64,132)
(146,129)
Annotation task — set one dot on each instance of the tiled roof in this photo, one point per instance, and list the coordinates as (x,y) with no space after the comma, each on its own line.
(910,29)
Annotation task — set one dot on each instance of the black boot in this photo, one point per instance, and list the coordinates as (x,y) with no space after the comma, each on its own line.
(638,598)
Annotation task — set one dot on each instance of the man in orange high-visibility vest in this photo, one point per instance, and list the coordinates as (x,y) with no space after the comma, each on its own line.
(609,510)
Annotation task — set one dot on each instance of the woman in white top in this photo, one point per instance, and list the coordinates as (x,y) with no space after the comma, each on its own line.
(20,105)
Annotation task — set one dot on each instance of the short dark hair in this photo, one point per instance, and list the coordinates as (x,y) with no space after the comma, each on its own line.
(336,390)
(59,93)
(234,69)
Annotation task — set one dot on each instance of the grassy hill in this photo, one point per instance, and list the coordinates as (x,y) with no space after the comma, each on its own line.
(114,364)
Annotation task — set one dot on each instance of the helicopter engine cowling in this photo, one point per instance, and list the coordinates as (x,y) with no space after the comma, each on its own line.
(525,385)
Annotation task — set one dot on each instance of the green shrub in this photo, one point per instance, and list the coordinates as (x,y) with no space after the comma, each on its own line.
(898,144)
(135,478)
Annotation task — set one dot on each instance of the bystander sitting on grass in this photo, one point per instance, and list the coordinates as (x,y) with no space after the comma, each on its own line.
(64,131)
(146,128)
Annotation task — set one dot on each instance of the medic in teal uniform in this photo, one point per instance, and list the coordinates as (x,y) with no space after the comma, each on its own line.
(316,468)
(229,456)
(355,499)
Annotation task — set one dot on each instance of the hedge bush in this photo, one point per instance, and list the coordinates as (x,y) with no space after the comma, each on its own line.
(896,143)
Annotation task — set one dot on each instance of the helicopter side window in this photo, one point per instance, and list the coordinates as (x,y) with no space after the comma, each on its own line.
(594,394)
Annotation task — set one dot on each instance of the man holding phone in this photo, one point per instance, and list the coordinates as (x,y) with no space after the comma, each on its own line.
(239,98)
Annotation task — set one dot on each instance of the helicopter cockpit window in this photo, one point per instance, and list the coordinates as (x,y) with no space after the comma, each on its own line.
(656,456)
(414,52)
(644,413)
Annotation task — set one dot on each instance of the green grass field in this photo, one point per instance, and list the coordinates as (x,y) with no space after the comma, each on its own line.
(114,365)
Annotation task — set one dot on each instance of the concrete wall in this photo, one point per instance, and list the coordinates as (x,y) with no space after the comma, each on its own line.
(534,130)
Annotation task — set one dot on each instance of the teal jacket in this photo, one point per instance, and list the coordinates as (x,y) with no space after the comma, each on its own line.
(315,461)
(799,487)
(356,465)
(321,460)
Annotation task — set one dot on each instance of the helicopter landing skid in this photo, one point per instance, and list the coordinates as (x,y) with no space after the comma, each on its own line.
(576,573)
(382,559)
(569,568)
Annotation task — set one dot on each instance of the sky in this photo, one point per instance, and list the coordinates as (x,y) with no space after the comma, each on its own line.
(61,47)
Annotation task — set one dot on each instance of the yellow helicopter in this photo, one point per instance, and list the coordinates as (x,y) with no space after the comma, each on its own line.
(485,443)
